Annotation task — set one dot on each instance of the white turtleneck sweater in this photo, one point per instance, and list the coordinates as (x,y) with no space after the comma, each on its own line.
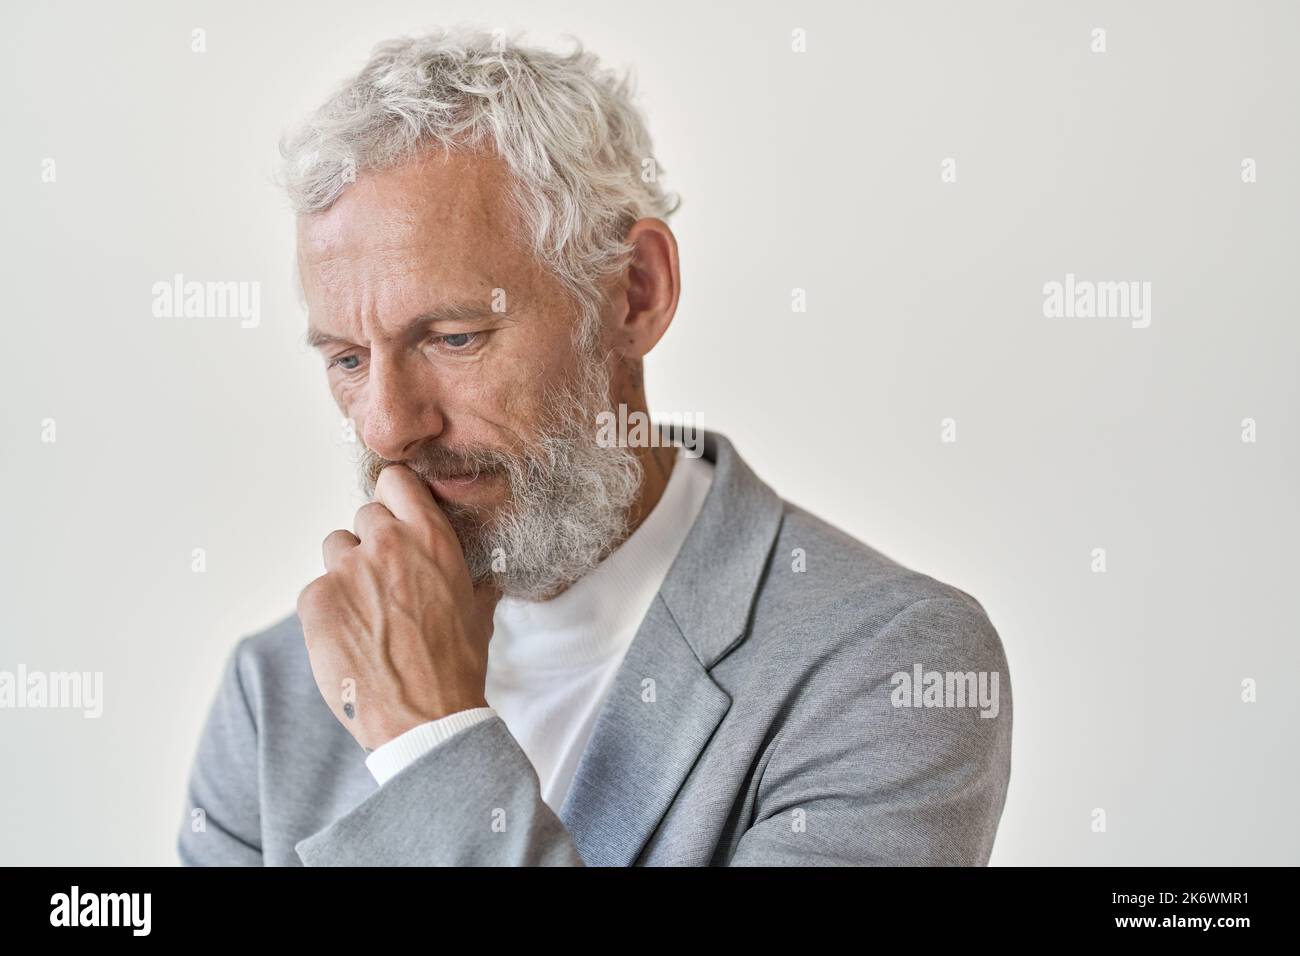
(551,663)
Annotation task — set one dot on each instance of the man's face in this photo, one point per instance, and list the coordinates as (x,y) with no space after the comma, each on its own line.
(403,274)
(452,351)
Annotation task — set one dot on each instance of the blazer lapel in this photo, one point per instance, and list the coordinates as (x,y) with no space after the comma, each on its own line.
(664,707)
(661,711)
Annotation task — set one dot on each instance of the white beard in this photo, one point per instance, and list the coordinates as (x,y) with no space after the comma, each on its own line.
(569,500)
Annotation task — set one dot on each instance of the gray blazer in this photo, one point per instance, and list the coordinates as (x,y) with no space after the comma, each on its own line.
(761,716)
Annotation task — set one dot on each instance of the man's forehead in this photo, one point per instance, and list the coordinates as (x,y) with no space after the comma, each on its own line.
(455,200)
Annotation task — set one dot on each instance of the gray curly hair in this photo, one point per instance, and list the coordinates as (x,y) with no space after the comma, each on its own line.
(577,148)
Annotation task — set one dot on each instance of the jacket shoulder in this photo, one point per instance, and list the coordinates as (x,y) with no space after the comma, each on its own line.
(827,596)
(841,570)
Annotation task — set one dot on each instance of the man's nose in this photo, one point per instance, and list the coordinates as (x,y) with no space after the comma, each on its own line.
(402,409)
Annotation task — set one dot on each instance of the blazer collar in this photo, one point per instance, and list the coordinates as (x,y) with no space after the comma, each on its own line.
(710,588)
(663,706)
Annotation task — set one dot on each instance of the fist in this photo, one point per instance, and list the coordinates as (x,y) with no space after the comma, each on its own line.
(396,633)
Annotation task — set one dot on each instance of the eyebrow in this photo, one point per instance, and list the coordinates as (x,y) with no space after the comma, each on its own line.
(414,329)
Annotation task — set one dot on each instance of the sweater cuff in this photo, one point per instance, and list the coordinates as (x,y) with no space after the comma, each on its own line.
(386,761)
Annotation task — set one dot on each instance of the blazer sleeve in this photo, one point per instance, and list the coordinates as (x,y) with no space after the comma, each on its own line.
(222,820)
(474,800)
(867,777)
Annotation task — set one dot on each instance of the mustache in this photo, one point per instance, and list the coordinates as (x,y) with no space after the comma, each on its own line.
(435,462)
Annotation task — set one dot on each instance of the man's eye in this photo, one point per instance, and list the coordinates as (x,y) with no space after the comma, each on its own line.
(349,363)
(458,340)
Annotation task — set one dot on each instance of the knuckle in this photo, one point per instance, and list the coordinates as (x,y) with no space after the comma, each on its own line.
(433,541)
(446,547)
(386,537)
(312,596)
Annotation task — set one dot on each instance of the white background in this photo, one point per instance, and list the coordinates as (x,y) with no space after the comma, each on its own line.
(817,171)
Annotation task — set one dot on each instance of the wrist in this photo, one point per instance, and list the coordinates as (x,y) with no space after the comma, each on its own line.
(394,729)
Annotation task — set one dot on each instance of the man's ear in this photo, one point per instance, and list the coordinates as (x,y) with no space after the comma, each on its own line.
(650,289)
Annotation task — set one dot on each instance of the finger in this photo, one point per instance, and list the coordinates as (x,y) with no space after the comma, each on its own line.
(370,517)
(337,544)
(409,498)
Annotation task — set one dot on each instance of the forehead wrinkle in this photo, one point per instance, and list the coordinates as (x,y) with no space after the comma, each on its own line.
(446,238)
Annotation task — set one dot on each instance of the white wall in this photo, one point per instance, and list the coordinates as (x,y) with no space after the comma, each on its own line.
(818,170)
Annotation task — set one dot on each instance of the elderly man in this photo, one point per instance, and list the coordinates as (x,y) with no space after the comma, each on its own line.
(536,646)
